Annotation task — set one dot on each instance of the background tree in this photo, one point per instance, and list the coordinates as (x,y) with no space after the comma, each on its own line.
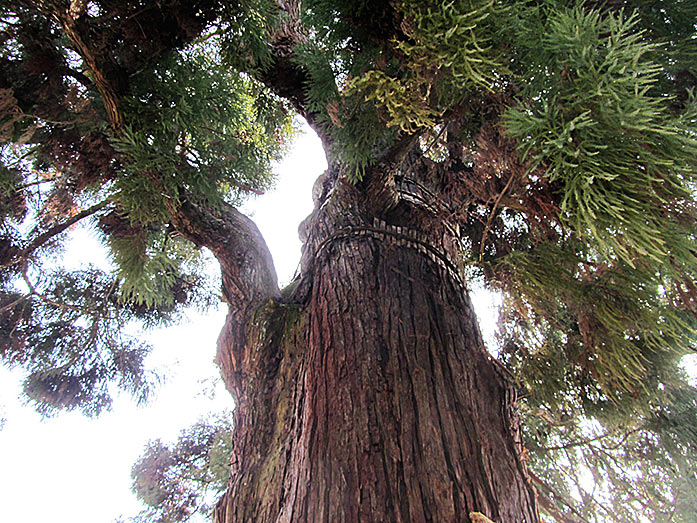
(176,482)
(547,148)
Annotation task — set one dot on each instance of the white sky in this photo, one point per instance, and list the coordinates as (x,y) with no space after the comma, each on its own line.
(73,469)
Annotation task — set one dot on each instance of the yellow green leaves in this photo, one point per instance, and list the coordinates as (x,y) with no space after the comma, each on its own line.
(406,103)
(444,55)
(450,41)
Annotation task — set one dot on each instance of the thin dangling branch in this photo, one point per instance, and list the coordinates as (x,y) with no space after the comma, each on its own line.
(67,15)
(52,232)
(493,213)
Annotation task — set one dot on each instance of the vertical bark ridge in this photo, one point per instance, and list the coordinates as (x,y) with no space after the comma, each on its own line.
(383,404)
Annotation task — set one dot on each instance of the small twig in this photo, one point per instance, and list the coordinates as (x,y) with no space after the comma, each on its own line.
(551,507)
(624,438)
(584,493)
(588,441)
(37,182)
(12,304)
(493,212)
(247,188)
(675,506)
(46,299)
(435,140)
(543,484)
(41,239)
(42,119)
(502,367)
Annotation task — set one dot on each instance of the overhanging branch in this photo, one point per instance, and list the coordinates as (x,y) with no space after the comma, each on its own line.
(52,232)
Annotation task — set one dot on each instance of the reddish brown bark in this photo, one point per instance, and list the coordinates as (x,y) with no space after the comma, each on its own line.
(366,394)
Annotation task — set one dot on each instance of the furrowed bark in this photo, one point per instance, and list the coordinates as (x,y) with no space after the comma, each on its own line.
(367,393)
(248,275)
(364,393)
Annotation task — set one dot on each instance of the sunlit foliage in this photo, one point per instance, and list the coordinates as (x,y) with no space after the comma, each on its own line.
(189,126)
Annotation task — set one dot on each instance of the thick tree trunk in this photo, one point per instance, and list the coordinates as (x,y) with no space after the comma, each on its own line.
(367,394)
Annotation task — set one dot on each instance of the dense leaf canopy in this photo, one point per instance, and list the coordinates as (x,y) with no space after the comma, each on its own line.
(563,135)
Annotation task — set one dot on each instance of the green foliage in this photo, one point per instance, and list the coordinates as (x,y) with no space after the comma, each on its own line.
(671,25)
(566,151)
(608,413)
(443,53)
(624,164)
(403,101)
(354,30)
(360,138)
(630,457)
(245,27)
(606,329)
(449,42)
(345,48)
(158,268)
(321,88)
(357,132)
(193,125)
(193,129)
(178,481)
(595,255)
(597,318)
(70,339)
(641,472)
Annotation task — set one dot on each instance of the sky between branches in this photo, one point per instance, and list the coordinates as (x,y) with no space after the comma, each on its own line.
(70,468)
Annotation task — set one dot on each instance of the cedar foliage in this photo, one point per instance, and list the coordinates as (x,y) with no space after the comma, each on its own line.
(190,126)
(561,133)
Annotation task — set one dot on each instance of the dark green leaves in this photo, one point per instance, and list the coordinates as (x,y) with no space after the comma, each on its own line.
(194,129)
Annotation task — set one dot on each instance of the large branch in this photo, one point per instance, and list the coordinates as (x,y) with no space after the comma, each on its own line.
(287,79)
(284,76)
(248,273)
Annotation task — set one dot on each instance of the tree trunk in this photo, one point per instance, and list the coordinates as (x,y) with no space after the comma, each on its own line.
(365,392)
